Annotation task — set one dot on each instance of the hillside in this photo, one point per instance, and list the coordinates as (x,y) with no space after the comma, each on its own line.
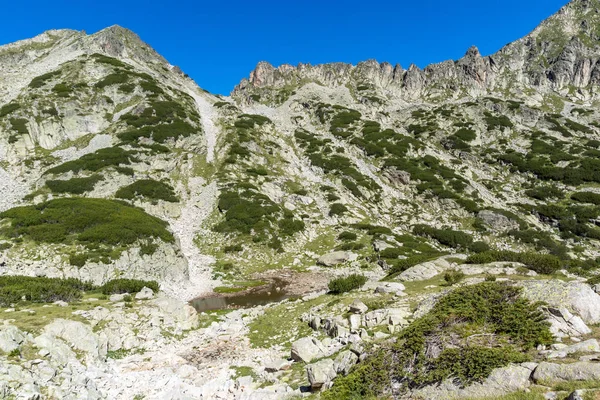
(114,164)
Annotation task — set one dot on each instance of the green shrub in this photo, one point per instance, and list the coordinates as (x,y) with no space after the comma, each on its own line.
(347,236)
(497,121)
(346,284)
(452,277)
(466,134)
(19,125)
(148,188)
(447,237)
(391,253)
(545,192)
(118,286)
(8,109)
(479,247)
(586,197)
(337,209)
(40,289)
(74,185)
(595,280)
(113,79)
(41,80)
(540,263)
(62,90)
(236,248)
(87,221)
(78,260)
(111,156)
(101,58)
(475,329)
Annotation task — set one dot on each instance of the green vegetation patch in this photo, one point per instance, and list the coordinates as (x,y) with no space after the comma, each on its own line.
(347,283)
(91,222)
(148,188)
(74,185)
(540,263)
(473,330)
(108,157)
(14,289)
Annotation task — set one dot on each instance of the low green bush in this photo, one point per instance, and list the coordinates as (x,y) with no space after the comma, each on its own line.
(149,189)
(337,209)
(19,125)
(86,221)
(103,158)
(347,236)
(74,185)
(473,329)
(13,289)
(452,277)
(41,80)
(346,284)
(586,197)
(595,280)
(447,237)
(113,79)
(540,263)
(117,286)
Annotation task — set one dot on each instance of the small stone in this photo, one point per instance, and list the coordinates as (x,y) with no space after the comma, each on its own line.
(358,307)
(144,294)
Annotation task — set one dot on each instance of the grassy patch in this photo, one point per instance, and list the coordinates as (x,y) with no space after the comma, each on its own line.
(149,189)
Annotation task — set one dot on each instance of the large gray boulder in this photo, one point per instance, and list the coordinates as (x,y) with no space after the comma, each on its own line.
(177,313)
(336,257)
(501,381)
(588,346)
(78,335)
(577,297)
(344,362)
(563,323)
(321,374)
(307,349)
(580,371)
(497,221)
(11,338)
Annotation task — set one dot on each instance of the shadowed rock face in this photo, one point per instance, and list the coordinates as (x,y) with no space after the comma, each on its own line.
(562,52)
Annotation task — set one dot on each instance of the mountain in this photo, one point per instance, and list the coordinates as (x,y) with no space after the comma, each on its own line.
(114,164)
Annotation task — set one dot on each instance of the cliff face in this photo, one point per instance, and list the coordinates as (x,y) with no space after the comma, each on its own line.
(562,53)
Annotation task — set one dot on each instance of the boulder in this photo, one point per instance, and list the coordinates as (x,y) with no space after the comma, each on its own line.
(501,381)
(277,365)
(321,374)
(355,322)
(589,346)
(344,362)
(580,371)
(429,269)
(177,312)
(497,221)
(78,335)
(336,257)
(307,349)
(577,297)
(115,298)
(358,307)
(563,323)
(390,287)
(144,294)
(10,338)
(397,176)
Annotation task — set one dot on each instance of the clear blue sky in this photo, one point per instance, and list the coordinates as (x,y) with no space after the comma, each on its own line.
(219,42)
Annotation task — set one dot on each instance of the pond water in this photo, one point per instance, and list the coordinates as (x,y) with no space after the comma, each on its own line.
(243,299)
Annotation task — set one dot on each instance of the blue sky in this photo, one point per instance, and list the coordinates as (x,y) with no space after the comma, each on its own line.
(219,42)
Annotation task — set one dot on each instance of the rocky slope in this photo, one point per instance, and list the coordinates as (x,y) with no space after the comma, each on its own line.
(114,164)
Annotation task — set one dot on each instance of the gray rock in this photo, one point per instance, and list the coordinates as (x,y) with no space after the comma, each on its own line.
(11,338)
(576,395)
(577,297)
(321,374)
(589,346)
(277,365)
(307,349)
(144,294)
(344,362)
(579,371)
(115,298)
(358,307)
(390,287)
(497,221)
(563,323)
(78,335)
(336,257)
(501,381)
(355,322)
